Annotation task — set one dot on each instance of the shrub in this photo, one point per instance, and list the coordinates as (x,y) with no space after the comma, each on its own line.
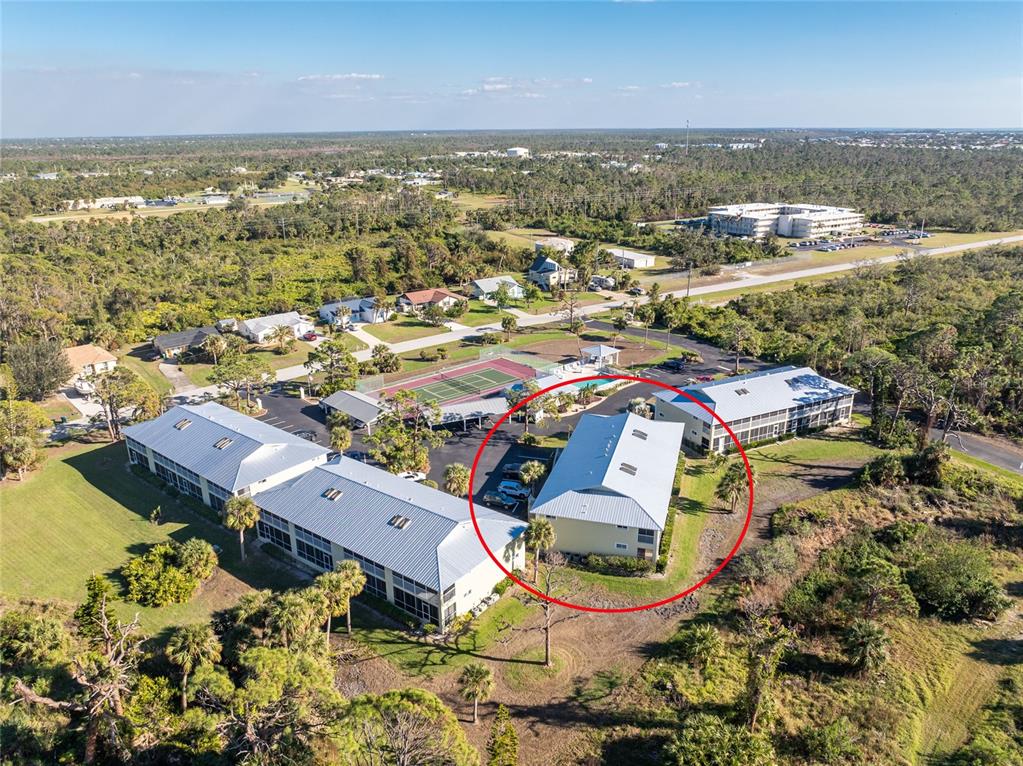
(502,587)
(704,738)
(887,470)
(953,579)
(832,743)
(156,579)
(776,558)
(197,558)
(626,566)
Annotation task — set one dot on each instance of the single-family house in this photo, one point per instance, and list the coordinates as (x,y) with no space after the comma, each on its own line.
(611,486)
(416,545)
(418,300)
(486,288)
(213,453)
(547,273)
(630,259)
(89,360)
(173,344)
(354,309)
(758,406)
(259,329)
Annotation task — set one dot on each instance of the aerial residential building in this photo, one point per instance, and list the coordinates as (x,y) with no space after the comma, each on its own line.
(609,491)
(487,287)
(213,453)
(418,300)
(362,310)
(259,329)
(173,344)
(760,219)
(416,544)
(630,259)
(88,360)
(518,151)
(46,176)
(547,273)
(760,405)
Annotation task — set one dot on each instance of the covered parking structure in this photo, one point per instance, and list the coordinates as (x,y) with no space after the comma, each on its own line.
(361,409)
(474,410)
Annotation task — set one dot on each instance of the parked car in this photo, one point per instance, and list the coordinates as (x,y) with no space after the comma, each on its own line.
(691,381)
(412,475)
(512,470)
(500,500)
(674,365)
(635,291)
(705,378)
(309,336)
(514,489)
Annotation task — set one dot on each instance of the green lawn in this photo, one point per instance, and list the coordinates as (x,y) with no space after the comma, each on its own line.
(480,313)
(134,357)
(57,406)
(199,372)
(403,328)
(84,512)
(546,305)
(425,658)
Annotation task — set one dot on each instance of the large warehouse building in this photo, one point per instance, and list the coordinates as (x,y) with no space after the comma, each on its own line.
(760,219)
(758,406)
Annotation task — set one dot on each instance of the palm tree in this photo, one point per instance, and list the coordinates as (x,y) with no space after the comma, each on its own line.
(215,346)
(866,644)
(456,480)
(540,537)
(701,646)
(733,484)
(241,513)
(289,616)
(638,406)
(190,647)
(476,684)
(283,336)
(340,438)
(355,581)
(335,588)
(531,472)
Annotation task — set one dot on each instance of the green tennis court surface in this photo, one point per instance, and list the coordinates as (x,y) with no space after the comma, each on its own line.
(476,382)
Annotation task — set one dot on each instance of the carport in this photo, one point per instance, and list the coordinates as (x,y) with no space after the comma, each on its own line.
(362,409)
(475,409)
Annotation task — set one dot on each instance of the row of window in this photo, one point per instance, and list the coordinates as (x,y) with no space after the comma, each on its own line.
(313,555)
(411,586)
(416,606)
(176,467)
(278,537)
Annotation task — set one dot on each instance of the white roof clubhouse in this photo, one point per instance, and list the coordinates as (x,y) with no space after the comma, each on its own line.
(758,406)
(417,545)
(609,491)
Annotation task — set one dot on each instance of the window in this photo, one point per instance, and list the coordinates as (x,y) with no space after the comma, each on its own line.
(449,593)
(449,614)
(621,526)
(278,537)
(621,546)
(182,424)
(646,536)
(313,554)
(415,606)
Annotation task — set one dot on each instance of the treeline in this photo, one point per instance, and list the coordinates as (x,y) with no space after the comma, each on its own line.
(127,280)
(941,338)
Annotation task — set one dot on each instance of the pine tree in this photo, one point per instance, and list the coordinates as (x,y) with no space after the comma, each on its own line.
(503,747)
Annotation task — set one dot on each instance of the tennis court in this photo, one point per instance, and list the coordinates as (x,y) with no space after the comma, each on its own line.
(467,382)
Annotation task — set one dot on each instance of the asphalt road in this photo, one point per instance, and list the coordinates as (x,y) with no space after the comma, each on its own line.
(991,450)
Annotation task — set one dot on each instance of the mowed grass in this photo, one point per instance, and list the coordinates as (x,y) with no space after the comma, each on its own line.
(426,658)
(83,512)
(199,372)
(480,313)
(404,328)
(137,358)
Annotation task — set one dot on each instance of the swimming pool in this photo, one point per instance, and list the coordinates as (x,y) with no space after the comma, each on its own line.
(597,382)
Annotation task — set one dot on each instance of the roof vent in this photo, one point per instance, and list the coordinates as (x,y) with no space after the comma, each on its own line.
(741,391)
(224,443)
(627,468)
(399,522)
(639,434)
(182,424)
(332,494)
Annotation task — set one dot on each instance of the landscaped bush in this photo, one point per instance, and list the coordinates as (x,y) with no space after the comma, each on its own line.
(158,577)
(626,566)
(954,579)
(502,587)
(832,743)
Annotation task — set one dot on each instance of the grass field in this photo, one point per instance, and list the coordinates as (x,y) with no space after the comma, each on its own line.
(135,357)
(427,658)
(57,406)
(199,372)
(403,328)
(83,512)
(473,201)
(947,238)
(480,313)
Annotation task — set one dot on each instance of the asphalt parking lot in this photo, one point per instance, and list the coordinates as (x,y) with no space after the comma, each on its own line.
(285,410)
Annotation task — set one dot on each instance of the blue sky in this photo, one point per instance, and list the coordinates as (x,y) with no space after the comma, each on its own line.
(132,68)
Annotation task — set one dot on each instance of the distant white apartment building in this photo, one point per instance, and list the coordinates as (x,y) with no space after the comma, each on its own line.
(759,219)
(758,406)
(518,151)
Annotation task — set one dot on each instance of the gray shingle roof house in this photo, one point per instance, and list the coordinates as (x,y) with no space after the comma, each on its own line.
(210,451)
(486,287)
(173,343)
(417,543)
(760,405)
(609,491)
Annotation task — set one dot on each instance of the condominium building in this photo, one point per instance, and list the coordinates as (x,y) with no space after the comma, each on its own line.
(760,405)
(760,219)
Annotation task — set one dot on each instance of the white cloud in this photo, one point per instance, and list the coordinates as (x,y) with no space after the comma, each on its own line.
(676,84)
(629,88)
(347,76)
(530,94)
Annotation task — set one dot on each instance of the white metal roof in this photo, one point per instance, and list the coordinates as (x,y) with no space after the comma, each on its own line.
(259,324)
(757,393)
(436,547)
(360,406)
(616,469)
(256,451)
(601,351)
(631,255)
(490,284)
(475,408)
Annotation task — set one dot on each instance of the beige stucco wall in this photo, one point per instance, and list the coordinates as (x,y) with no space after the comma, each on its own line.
(582,537)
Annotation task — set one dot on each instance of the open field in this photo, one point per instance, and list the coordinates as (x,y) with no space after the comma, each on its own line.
(473,201)
(947,238)
(84,512)
(403,328)
(480,313)
(199,372)
(141,358)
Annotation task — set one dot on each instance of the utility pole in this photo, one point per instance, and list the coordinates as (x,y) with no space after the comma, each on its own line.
(689,280)
(687,138)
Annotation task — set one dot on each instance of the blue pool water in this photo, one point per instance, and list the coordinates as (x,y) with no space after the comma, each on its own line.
(597,382)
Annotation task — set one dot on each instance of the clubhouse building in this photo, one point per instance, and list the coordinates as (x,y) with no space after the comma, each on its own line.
(758,406)
(416,545)
(611,486)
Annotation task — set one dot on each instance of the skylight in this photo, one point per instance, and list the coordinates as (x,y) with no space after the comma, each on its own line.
(399,522)
(332,494)
(628,468)
(741,391)
(182,424)
(224,443)
(639,434)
